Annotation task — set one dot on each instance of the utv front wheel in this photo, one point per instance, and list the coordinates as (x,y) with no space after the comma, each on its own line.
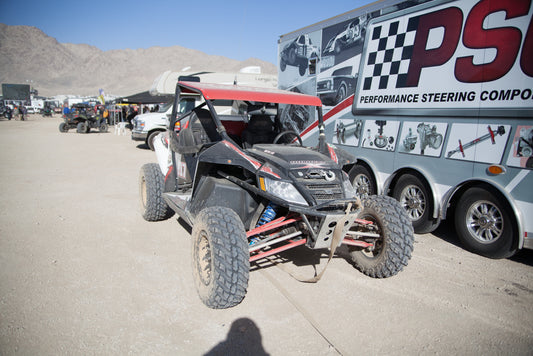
(151,187)
(220,257)
(80,128)
(392,249)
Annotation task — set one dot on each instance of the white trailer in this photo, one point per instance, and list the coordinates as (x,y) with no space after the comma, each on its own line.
(440,94)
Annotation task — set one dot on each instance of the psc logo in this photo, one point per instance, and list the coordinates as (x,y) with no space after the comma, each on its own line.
(399,50)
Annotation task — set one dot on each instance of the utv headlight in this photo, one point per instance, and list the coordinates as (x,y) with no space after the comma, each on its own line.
(283,190)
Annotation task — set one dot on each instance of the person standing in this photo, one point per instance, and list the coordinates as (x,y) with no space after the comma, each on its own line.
(23,112)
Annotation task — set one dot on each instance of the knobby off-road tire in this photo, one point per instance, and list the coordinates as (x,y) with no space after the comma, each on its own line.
(151,186)
(220,257)
(80,128)
(63,127)
(103,128)
(394,247)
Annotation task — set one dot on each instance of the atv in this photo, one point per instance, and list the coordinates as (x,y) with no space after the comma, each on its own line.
(249,189)
(83,119)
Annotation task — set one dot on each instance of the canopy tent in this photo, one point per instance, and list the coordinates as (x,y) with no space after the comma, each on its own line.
(145,98)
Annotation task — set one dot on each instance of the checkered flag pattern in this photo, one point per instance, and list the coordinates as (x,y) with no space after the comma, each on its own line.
(389,53)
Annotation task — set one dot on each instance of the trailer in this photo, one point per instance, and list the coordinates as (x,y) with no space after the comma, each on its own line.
(441,113)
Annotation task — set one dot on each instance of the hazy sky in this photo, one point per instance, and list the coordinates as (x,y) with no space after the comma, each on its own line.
(237,29)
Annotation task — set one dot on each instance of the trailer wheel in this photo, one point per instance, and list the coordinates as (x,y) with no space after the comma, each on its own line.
(414,197)
(393,249)
(362,181)
(151,187)
(220,257)
(63,127)
(483,224)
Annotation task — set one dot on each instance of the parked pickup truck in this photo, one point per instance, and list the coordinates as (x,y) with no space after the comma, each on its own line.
(147,126)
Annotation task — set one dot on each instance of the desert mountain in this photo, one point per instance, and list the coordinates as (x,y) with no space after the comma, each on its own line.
(28,54)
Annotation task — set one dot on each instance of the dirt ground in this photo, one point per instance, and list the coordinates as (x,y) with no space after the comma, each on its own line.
(81,273)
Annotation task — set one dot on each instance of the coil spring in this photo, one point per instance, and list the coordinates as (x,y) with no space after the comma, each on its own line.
(268,215)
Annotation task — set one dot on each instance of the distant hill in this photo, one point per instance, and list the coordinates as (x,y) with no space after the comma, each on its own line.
(26,53)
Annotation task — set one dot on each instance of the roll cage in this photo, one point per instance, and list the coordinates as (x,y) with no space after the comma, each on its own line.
(212,93)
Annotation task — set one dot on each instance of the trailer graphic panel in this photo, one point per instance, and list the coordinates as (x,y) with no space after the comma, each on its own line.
(435,101)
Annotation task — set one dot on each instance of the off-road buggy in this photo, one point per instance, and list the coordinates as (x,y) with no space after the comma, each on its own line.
(250,190)
(82,118)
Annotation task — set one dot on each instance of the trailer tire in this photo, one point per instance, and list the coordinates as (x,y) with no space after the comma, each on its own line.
(220,257)
(414,196)
(362,181)
(483,224)
(151,188)
(393,250)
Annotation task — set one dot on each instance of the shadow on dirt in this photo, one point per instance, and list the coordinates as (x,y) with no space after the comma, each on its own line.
(446,232)
(244,338)
(143,146)
(301,256)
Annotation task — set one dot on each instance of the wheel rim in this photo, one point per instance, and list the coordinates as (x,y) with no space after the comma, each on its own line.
(203,263)
(413,201)
(484,221)
(361,183)
(144,195)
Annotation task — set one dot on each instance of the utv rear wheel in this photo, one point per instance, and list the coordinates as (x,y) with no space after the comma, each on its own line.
(63,127)
(392,250)
(220,257)
(151,187)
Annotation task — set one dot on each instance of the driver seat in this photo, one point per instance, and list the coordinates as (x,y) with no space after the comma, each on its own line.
(260,129)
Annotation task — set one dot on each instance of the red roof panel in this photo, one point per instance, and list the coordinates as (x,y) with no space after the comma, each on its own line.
(236,92)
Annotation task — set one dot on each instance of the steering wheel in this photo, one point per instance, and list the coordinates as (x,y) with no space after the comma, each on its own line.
(289,132)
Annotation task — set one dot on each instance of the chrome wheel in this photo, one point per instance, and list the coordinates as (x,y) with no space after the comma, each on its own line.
(484,222)
(413,200)
(361,184)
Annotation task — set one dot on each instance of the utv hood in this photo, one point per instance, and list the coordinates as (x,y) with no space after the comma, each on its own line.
(289,158)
